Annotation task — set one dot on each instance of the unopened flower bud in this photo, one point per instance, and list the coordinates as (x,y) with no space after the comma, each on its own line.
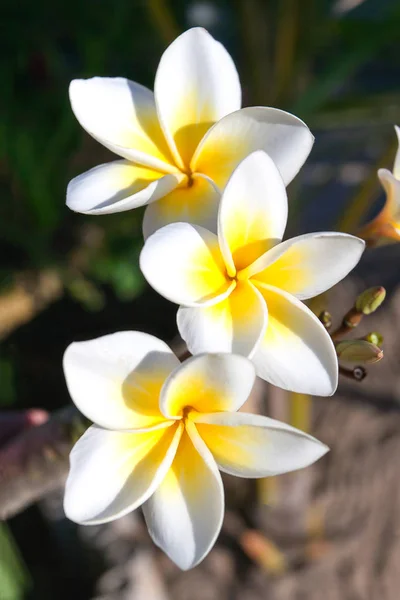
(326,319)
(375,338)
(370,300)
(358,351)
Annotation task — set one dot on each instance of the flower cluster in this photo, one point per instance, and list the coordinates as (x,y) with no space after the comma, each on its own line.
(214,178)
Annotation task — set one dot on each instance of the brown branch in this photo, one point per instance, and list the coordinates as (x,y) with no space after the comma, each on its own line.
(357,373)
(31,292)
(350,321)
(29,295)
(36,461)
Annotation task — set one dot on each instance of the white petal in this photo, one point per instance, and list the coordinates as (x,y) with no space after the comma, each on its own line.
(284,137)
(115,380)
(309,264)
(196,85)
(183,263)
(253,211)
(208,383)
(236,324)
(116,187)
(114,472)
(185,513)
(121,115)
(391,210)
(396,166)
(248,445)
(196,204)
(296,352)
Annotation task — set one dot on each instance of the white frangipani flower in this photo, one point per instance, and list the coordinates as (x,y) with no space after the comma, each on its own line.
(162,432)
(241,290)
(180,144)
(385,227)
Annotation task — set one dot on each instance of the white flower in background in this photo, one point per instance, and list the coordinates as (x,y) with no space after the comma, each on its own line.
(162,430)
(240,290)
(385,227)
(181,143)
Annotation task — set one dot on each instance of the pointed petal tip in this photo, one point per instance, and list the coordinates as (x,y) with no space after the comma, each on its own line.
(253,446)
(184,516)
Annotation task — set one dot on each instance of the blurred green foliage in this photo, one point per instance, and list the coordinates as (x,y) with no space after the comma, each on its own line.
(14,579)
(301,55)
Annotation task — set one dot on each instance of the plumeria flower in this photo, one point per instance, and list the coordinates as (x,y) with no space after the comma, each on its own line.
(241,290)
(162,432)
(385,227)
(180,144)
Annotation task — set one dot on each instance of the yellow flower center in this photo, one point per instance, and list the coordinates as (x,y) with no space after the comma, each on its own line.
(187,414)
(240,275)
(190,181)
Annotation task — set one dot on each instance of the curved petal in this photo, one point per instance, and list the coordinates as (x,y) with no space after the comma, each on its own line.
(121,115)
(185,513)
(236,324)
(115,380)
(309,264)
(196,204)
(296,352)
(253,211)
(207,383)
(183,263)
(196,84)
(391,210)
(248,445)
(396,165)
(286,139)
(116,187)
(114,472)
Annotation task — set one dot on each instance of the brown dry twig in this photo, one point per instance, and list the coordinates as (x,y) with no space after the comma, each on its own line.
(35,462)
(30,294)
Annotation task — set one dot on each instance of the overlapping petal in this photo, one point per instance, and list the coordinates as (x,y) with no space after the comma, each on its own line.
(284,137)
(235,324)
(296,352)
(391,185)
(114,472)
(118,186)
(121,115)
(253,211)
(196,85)
(309,264)
(183,263)
(208,383)
(197,204)
(248,445)
(184,515)
(115,380)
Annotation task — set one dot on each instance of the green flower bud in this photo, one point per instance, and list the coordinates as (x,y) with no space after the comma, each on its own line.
(326,319)
(375,338)
(358,351)
(370,300)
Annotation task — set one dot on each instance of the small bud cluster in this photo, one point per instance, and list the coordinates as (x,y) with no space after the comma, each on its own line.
(359,351)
